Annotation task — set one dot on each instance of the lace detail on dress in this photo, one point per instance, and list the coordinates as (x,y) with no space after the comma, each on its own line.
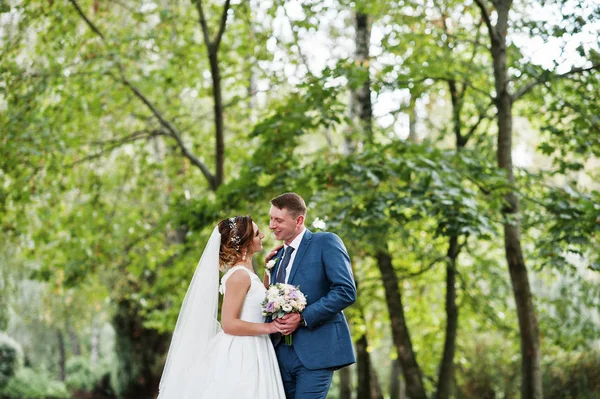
(229,273)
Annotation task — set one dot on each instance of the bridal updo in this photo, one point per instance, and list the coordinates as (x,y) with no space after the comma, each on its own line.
(236,236)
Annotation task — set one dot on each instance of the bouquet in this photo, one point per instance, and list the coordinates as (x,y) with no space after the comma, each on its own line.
(282,299)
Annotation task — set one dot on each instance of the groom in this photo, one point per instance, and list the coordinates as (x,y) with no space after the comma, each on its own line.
(320,265)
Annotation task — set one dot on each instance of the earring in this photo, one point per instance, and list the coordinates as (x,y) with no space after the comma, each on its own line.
(244,256)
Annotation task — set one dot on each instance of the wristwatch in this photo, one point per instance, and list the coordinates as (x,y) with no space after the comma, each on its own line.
(303,322)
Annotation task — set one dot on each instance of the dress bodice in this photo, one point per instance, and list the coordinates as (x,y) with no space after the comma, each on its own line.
(251,310)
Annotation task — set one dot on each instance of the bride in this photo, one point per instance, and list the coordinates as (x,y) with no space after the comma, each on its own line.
(237,361)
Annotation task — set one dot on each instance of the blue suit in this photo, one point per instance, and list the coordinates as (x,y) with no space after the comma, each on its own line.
(322,270)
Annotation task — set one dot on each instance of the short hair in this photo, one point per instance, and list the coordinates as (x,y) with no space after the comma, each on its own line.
(237,234)
(292,202)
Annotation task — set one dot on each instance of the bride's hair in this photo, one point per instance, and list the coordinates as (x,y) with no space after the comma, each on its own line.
(236,236)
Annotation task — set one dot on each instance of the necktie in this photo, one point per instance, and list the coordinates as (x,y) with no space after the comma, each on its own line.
(283,265)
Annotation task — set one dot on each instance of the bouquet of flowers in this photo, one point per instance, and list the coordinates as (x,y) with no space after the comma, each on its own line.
(282,299)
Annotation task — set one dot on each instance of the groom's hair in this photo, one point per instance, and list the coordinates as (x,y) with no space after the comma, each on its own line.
(292,202)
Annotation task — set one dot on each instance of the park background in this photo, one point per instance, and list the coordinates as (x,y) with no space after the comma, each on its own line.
(452,145)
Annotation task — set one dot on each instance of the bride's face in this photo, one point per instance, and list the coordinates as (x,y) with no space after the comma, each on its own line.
(256,244)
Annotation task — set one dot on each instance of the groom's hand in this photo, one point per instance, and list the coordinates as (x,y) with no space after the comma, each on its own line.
(289,323)
(273,252)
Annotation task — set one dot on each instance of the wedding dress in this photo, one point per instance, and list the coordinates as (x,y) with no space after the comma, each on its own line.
(206,363)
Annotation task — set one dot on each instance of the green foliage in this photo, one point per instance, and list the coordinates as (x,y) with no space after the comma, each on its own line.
(11,358)
(98,205)
(487,367)
(574,375)
(80,376)
(30,384)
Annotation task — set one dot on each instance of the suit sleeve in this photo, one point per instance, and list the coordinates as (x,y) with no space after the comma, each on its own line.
(342,293)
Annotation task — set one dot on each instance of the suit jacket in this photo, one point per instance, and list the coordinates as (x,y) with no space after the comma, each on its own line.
(322,271)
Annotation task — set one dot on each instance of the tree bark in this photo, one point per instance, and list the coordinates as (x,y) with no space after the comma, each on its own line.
(362,100)
(363,369)
(94,344)
(368,383)
(376,392)
(62,357)
(531,374)
(397,388)
(400,334)
(212,46)
(345,383)
(412,117)
(219,123)
(446,371)
(74,339)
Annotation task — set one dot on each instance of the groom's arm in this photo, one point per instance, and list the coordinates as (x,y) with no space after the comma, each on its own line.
(342,294)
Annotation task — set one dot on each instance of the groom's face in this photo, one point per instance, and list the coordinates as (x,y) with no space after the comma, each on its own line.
(285,227)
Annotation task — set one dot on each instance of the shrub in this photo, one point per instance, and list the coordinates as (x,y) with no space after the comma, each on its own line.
(572,376)
(11,358)
(29,384)
(80,376)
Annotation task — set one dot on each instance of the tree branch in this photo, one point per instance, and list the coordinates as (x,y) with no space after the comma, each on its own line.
(296,38)
(423,270)
(166,124)
(444,79)
(204,25)
(546,77)
(87,21)
(217,41)
(486,18)
(482,117)
(137,135)
(174,133)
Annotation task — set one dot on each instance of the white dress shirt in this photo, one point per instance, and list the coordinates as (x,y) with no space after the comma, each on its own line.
(294,244)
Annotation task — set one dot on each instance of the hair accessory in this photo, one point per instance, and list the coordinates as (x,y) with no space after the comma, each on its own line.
(235,238)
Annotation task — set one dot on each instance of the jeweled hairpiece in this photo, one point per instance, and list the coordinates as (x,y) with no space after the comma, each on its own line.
(235,238)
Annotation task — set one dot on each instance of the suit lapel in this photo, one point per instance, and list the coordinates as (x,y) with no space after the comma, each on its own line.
(300,254)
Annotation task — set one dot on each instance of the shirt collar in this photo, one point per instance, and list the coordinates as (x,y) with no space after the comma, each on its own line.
(296,242)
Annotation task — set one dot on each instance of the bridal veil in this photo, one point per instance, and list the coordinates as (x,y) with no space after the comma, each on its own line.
(197,322)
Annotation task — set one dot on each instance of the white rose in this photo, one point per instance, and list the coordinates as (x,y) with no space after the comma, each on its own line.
(293,303)
(286,308)
(270,264)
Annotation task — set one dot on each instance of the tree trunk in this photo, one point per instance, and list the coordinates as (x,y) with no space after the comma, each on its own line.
(412,118)
(62,358)
(531,375)
(397,388)
(368,383)
(446,372)
(362,100)
(376,392)
(446,369)
(75,345)
(363,369)
(400,334)
(212,47)
(94,344)
(218,110)
(138,349)
(345,383)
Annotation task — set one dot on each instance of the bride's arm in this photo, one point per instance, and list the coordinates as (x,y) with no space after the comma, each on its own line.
(237,285)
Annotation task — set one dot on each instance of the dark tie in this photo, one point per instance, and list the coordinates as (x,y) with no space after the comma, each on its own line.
(283,265)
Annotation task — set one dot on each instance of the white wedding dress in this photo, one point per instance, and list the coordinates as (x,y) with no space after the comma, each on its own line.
(238,367)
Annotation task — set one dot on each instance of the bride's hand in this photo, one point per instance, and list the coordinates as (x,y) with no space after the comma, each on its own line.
(274,327)
(273,252)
